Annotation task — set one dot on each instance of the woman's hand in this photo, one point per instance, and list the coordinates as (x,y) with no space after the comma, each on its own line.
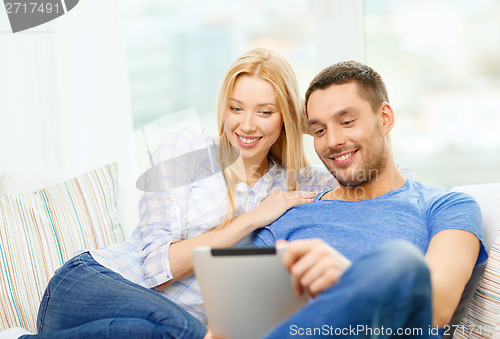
(277,203)
(314,265)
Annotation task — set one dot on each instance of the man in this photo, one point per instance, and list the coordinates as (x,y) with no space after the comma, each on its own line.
(358,274)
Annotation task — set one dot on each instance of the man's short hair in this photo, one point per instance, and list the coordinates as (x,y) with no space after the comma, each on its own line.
(370,84)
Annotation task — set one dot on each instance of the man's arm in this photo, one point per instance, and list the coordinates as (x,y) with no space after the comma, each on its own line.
(451,256)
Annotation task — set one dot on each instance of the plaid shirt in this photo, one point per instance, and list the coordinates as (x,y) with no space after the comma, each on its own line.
(183,210)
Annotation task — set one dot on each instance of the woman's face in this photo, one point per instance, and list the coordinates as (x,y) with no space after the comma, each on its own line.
(253,121)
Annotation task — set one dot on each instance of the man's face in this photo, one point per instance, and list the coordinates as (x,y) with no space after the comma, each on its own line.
(348,135)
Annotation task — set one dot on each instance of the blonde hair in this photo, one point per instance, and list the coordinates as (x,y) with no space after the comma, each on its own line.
(288,150)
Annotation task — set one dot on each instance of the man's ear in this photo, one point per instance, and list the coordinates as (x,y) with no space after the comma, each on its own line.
(387,116)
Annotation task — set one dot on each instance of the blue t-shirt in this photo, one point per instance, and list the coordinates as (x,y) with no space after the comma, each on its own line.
(414,212)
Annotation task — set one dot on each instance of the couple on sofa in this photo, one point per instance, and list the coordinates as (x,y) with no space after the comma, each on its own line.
(393,253)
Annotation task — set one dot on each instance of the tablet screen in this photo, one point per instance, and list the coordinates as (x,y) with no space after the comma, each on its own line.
(246,291)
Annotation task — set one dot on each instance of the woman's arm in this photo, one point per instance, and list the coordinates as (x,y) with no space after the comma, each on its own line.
(277,203)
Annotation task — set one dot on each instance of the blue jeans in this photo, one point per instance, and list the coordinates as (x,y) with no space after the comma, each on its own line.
(386,293)
(86,300)
(382,293)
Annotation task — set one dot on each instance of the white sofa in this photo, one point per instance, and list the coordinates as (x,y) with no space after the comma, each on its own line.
(478,312)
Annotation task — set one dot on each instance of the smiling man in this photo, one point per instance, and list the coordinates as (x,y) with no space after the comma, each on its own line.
(391,251)
(351,137)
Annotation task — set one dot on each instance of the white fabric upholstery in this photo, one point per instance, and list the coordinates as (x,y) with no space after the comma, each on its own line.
(481,301)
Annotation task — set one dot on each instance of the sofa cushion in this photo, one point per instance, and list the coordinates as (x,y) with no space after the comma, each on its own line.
(482,312)
(30,181)
(39,231)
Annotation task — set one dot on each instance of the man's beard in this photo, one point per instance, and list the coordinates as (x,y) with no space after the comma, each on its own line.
(370,169)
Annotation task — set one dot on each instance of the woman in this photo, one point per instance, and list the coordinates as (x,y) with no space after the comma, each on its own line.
(143,287)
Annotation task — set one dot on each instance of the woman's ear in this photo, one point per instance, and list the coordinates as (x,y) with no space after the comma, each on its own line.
(387,116)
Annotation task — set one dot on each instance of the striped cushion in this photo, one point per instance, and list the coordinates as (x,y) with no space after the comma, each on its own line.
(484,308)
(39,231)
(482,319)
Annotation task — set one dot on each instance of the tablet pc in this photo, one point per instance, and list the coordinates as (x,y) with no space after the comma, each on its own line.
(246,291)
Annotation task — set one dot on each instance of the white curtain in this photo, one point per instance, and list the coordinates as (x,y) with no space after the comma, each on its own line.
(64,93)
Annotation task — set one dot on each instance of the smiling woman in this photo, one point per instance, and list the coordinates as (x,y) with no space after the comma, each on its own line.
(253,123)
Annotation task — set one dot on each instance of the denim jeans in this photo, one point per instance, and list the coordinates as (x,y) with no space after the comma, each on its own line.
(86,300)
(386,293)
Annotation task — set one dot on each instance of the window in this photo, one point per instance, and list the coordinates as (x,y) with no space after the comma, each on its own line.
(178,50)
(440,61)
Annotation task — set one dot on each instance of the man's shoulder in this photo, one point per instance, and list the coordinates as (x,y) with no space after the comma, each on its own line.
(432,194)
(423,187)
